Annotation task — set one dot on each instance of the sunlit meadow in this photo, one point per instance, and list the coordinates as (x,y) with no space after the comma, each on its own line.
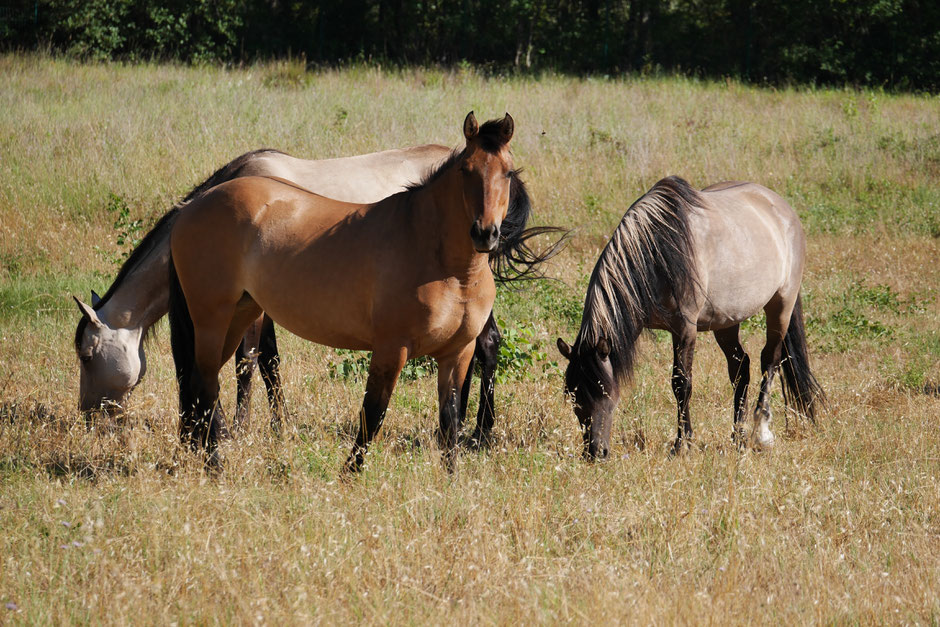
(119,524)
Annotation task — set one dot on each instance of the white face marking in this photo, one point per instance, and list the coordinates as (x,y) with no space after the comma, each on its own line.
(112,363)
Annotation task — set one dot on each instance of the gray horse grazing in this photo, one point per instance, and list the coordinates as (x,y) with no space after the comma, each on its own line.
(685,261)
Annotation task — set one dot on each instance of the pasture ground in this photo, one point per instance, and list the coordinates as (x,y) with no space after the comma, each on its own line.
(841,523)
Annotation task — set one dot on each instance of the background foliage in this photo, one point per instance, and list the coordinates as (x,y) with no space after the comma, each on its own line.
(890,43)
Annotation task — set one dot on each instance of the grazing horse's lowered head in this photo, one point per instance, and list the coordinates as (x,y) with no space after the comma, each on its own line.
(112,361)
(593,388)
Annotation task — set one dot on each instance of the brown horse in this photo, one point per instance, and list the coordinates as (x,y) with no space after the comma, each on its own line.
(685,261)
(405,277)
(109,337)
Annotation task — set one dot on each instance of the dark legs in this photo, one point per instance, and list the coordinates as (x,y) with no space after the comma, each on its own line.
(778,320)
(451,374)
(761,436)
(259,347)
(487,351)
(383,375)
(683,348)
(202,423)
(739,373)
(269,362)
(246,358)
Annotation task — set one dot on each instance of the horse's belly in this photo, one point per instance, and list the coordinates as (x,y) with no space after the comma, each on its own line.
(321,320)
(321,305)
(744,263)
(737,296)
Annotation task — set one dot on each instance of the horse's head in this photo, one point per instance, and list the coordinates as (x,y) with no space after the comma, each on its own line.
(486,170)
(591,385)
(112,362)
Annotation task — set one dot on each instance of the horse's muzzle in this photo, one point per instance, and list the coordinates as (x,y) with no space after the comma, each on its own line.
(594,452)
(485,238)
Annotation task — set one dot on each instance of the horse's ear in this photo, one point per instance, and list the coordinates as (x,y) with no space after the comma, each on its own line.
(88,313)
(564,349)
(470,126)
(95,299)
(506,128)
(603,348)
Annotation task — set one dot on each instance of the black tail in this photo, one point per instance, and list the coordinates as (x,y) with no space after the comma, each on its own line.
(801,391)
(182,341)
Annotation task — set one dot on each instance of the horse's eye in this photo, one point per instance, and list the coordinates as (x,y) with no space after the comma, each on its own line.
(511,174)
(85,358)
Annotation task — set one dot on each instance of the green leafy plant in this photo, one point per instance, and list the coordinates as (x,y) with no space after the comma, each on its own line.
(354,365)
(519,354)
(128,231)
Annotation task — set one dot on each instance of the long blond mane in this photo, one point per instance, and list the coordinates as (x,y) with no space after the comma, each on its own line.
(649,255)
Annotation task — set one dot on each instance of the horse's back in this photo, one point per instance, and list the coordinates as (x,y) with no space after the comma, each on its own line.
(750,247)
(294,252)
(360,179)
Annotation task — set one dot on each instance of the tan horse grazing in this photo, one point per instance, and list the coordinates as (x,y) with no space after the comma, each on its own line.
(405,277)
(687,261)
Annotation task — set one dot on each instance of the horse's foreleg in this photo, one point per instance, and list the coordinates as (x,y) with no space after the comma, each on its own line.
(465,391)
(450,377)
(683,348)
(739,372)
(269,363)
(487,351)
(384,369)
(246,358)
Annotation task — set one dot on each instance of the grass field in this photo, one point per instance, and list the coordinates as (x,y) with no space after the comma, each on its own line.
(839,524)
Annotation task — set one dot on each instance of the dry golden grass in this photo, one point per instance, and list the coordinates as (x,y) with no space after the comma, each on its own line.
(841,523)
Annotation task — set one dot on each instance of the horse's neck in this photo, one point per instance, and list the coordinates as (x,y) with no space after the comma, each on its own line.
(439,215)
(143,296)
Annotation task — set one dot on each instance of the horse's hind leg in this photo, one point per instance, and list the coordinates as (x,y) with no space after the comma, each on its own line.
(778,319)
(487,351)
(205,425)
(269,363)
(246,358)
(217,334)
(683,349)
(384,369)
(739,372)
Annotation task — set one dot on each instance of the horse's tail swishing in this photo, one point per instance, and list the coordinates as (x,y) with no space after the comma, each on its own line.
(801,391)
(198,425)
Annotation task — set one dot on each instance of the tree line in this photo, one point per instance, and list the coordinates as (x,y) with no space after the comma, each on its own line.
(882,43)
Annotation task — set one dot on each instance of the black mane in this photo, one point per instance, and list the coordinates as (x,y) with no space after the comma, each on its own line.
(513,259)
(143,250)
(650,253)
(227,172)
